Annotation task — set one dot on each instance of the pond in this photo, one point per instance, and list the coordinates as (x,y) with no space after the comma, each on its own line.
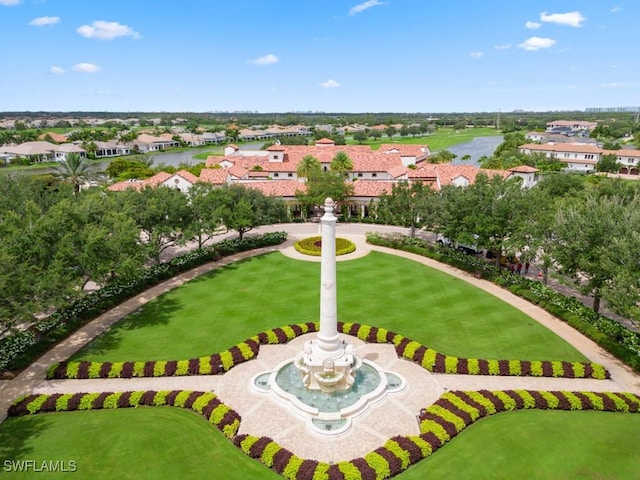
(476,148)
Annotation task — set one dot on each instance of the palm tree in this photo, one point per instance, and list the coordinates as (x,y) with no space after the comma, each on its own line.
(74,169)
(308,166)
(341,162)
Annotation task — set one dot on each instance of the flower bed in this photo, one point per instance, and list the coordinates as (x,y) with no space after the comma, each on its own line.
(206,404)
(439,423)
(313,246)
(428,358)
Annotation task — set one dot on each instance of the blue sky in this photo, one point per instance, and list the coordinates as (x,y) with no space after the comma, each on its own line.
(311,55)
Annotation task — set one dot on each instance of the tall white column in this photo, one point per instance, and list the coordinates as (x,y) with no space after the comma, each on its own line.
(328,339)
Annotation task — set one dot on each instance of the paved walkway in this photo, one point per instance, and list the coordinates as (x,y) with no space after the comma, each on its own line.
(262,415)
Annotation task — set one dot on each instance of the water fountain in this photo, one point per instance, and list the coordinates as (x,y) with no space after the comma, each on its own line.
(327,383)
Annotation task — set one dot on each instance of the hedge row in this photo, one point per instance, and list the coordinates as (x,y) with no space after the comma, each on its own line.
(437,362)
(611,335)
(21,348)
(439,423)
(204,403)
(307,246)
(428,358)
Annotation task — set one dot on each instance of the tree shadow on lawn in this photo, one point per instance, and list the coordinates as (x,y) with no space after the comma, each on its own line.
(160,311)
(16,435)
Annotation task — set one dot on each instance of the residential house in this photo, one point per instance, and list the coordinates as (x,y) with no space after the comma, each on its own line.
(571,125)
(109,149)
(577,157)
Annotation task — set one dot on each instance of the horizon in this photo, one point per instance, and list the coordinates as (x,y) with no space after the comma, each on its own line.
(374,56)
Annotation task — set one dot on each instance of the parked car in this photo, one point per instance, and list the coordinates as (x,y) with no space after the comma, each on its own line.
(471,249)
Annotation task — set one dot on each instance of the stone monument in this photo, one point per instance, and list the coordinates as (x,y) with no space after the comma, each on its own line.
(328,363)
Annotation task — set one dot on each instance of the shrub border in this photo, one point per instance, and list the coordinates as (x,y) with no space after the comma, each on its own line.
(439,423)
(426,357)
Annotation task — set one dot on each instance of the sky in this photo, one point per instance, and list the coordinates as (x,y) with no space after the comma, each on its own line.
(414,56)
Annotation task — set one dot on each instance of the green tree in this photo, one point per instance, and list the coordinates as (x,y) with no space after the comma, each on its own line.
(410,205)
(308,166)
(444,156)
(360,137)
(162,214)
(243,209)
(586,230)
(75,170)
(206,214)
(321,185)
(390,131)
(608,163)
(341,163)
(486,213)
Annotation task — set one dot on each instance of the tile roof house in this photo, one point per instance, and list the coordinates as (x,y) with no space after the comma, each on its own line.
(577,157)
(41,151)
(274,171)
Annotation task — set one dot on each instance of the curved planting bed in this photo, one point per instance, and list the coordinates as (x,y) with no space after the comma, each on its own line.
(452,413)
(313,246)
(428,358)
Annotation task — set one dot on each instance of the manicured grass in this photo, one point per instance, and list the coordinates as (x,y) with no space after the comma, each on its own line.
(227,306)
(437,141)
(148,442)
(541,445)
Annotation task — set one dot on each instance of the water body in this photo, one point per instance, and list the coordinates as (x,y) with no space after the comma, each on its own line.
(476,148)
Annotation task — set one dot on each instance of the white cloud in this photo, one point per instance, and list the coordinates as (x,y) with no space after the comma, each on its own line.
(616,9)
(537,43)
(532,25)
(42,21)
(86,68)
(56,70)
(361,7)
(616,85)
(268,59)
(569,19)
(9,3)
(505,46)
(329,84)
(103,30)
(476,54)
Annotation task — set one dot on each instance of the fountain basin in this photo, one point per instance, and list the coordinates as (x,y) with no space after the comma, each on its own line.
(328,412)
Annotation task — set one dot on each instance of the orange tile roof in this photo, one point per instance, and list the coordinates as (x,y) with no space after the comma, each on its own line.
(524,169)
(424,171)
(216,176)
(404,150)
(188,176)
(278,188)
(371,188)
(158,178)
(325,141)
(448,172)
(622,152)
(126,185)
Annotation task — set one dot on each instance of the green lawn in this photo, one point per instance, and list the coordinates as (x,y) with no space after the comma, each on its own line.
(227,306)
(164,442)
(540,445)
(437,141)
(154,443)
